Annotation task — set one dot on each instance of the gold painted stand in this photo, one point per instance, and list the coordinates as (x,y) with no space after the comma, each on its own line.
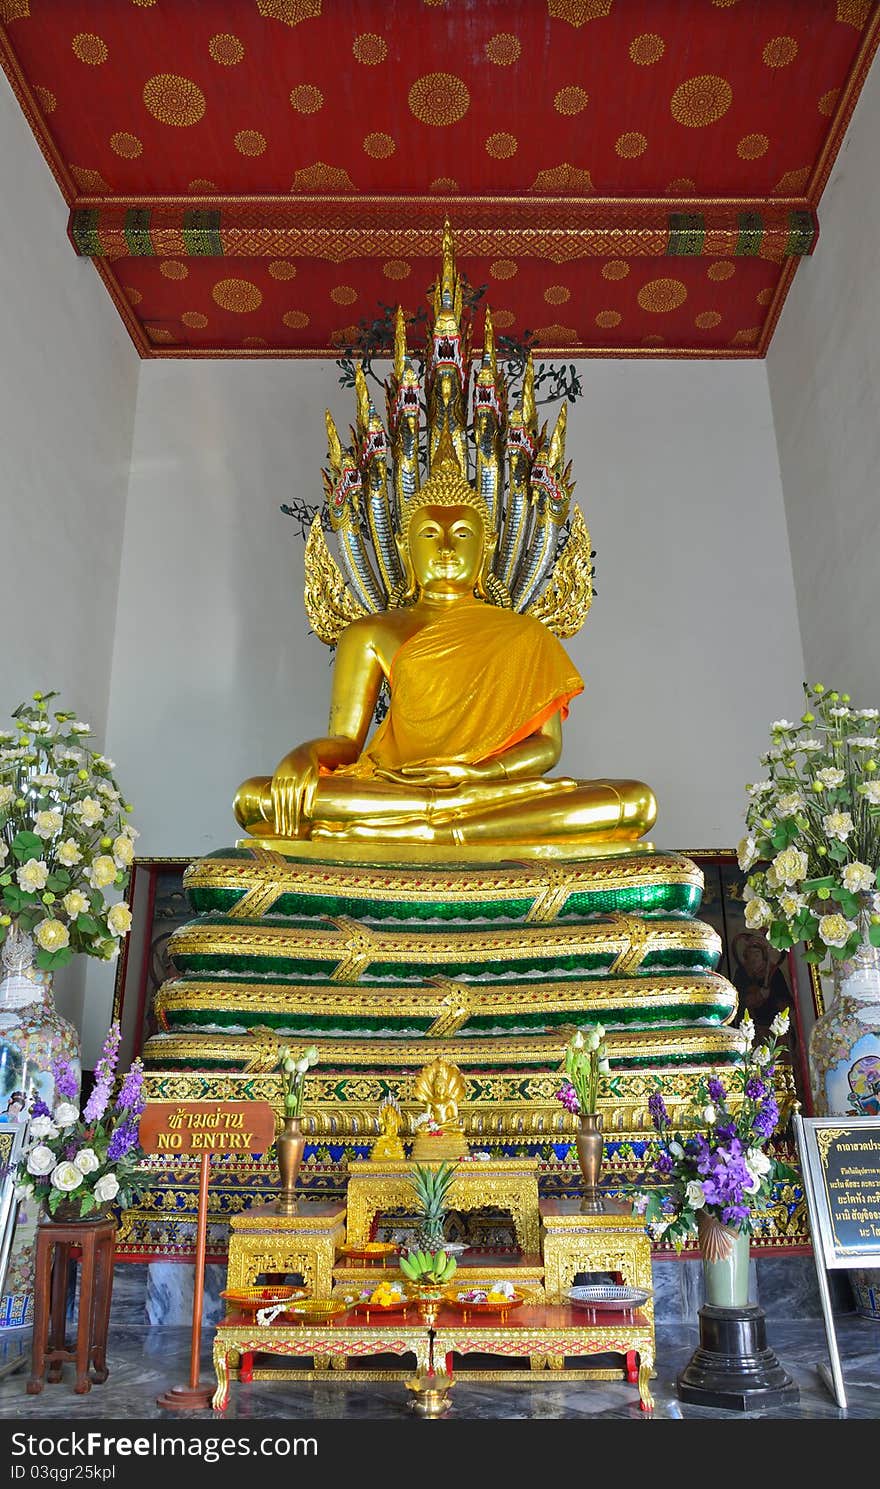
(544,1335)
(328,1345)
(614,1241)
(547,1332)
(262,1241)
(549,1335)
(509,1184)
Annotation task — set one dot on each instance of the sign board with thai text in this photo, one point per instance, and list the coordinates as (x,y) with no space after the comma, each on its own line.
(198,1127)
(843,1158)
(840,1163)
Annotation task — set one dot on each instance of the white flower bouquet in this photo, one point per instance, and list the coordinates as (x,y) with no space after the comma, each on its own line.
(81,1164)
(812,852)
(64,838)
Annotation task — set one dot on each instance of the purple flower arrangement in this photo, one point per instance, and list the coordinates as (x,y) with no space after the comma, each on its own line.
(89,1160)
(717,1166)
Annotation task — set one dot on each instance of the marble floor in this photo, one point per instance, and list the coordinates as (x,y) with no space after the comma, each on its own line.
(146,1360)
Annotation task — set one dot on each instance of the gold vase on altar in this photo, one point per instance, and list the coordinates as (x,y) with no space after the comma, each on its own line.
(590,1148)
(289,1147)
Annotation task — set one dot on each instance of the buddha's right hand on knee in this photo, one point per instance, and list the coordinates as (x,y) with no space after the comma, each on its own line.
(293,788)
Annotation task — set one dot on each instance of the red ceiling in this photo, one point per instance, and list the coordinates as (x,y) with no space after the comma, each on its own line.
(559,135)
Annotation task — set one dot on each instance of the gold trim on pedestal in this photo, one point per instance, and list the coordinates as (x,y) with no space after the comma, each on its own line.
(273,873)
(354,948)
(574,1242)
(307,851)
(441,999)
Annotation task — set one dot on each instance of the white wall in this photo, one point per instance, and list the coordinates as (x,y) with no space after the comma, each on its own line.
(68,384)
(691,649)
(824,376)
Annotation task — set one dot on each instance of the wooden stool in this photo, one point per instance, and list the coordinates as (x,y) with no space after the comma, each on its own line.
(56,1242)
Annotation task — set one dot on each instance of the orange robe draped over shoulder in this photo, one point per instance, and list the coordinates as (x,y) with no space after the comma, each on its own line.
(468,686)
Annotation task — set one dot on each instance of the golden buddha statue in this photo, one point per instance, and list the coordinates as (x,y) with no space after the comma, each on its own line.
(388,1146)
(455,614)
(440,1087)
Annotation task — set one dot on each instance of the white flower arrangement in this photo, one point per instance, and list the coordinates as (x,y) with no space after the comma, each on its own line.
(64,838)
(813,840)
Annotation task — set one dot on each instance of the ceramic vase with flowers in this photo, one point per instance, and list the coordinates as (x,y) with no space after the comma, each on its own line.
(290,1142)
(586,1058)
(713,1179)
(813,856)
(80,1167)
(65,849)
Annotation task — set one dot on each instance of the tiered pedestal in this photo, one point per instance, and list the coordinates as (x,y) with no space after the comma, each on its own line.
(509,1184)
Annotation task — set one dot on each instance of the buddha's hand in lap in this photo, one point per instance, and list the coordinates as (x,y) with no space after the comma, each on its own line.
(292,789)
(443,776)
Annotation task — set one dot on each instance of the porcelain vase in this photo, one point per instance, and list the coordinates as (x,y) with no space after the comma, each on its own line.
(32,1038)
(289,1147)
(845,1065)
(724,1253)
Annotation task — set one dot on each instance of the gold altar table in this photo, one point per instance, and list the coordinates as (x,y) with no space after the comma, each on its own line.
(262,1241)
(614,1241)
(509,1184)
(329,1345)
(546,1336)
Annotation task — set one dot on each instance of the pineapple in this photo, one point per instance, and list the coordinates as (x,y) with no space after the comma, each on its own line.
(431,1186)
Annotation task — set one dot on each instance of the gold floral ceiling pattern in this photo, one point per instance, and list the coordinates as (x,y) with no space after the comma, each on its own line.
(318,146)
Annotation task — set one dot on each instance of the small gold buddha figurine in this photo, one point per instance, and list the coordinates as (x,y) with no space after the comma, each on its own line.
(388,1144)
(455,613)
(441,1088)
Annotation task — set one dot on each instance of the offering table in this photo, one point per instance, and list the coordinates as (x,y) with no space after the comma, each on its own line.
(262,1241)
(330,1343)
(510,1184)
(547,1335)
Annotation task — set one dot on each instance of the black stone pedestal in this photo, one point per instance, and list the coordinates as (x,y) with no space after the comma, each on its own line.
(733,1367)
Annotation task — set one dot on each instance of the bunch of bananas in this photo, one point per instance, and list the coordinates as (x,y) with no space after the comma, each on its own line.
(427,1266)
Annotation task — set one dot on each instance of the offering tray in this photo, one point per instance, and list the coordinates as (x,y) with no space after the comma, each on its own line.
(609,1298)
(250,1299)
(497,1307)
(370,1251)
(315,1310)
(366,1306)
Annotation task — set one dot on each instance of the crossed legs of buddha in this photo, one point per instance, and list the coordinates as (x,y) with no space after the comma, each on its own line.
(552,810)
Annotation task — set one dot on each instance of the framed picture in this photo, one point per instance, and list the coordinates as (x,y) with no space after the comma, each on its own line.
(766,980)
(158,906)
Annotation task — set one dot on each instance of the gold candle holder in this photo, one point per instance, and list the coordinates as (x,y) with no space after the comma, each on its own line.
(430,1392)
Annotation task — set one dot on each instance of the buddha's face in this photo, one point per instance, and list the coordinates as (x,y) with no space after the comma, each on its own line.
(446,548)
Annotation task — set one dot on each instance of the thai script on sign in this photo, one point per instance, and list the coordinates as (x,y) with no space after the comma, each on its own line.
(207,1127)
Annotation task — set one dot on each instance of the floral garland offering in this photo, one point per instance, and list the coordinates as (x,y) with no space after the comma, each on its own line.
(89,1159)
(813,841)
(718,1168)
(64,839)
(586,1058)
